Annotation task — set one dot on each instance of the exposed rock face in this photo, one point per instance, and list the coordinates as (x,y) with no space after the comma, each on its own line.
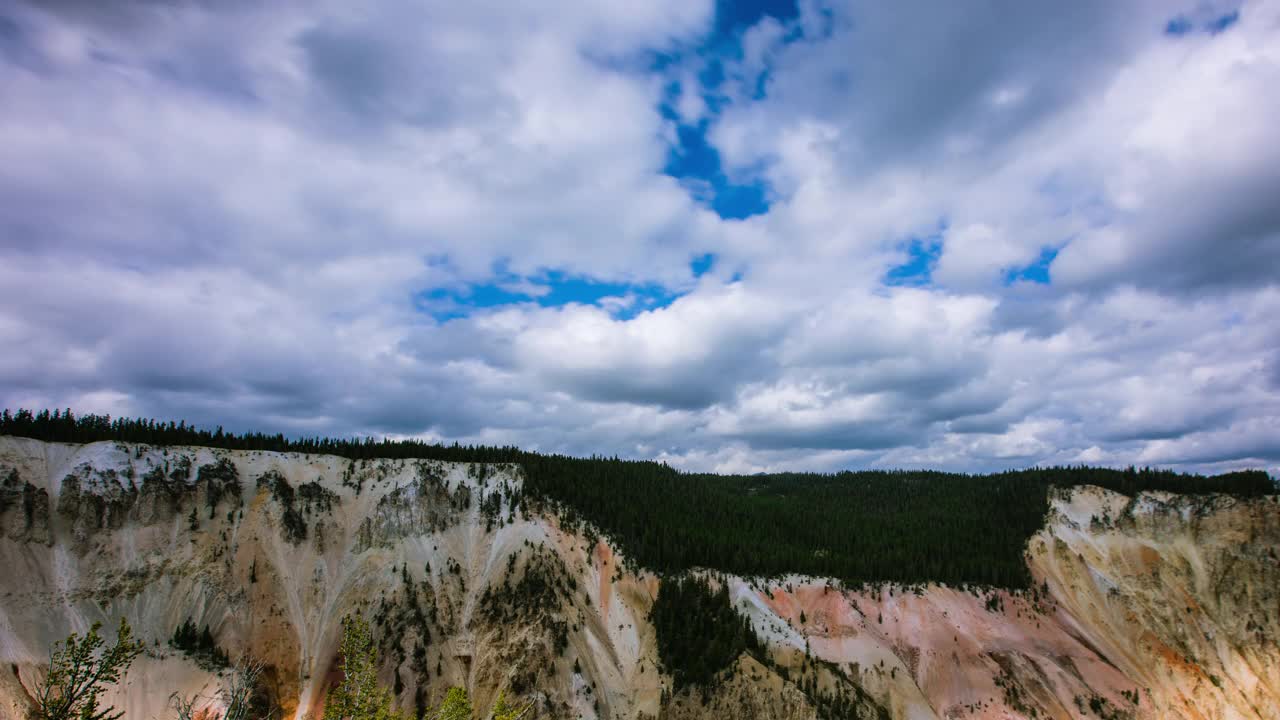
(1154,607)
(1180,594)
(425,506)
(1159,606)
(24,509)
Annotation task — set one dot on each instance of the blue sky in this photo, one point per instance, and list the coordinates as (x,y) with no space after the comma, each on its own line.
(922,256)
(731,236)
(1184,24)
(550,289)
(692,156)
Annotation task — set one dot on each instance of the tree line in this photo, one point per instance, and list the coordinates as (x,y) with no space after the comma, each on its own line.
(856,526)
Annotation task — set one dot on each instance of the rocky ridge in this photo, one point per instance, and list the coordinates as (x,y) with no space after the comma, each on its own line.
(1157,606)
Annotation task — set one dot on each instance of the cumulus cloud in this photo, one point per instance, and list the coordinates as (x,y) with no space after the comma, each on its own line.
(246,215)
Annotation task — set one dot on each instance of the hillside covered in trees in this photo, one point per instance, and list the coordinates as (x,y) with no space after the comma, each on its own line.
(858,527)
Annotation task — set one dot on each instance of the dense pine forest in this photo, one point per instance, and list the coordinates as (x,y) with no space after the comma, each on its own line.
(858,527)
(699,633)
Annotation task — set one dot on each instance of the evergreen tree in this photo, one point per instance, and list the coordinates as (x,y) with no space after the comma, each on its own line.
(503,710)
(358,696)
(200,645)
(80,670)
(456,706)
(699,633)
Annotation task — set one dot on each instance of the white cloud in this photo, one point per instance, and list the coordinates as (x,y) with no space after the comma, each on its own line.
(229,214)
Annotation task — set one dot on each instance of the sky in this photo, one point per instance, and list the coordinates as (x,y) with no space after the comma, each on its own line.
(737,237)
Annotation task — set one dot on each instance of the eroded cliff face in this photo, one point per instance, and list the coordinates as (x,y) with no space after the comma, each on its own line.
(1158,607)
(271,551)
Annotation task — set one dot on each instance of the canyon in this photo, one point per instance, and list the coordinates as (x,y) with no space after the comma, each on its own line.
(1152,606)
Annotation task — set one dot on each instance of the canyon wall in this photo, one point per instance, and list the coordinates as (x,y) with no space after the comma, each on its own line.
(1158,606)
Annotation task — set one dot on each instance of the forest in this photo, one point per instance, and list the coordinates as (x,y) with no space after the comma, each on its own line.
(859,527)
(699,633)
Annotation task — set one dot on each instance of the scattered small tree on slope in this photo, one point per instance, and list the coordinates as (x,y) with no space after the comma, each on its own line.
(80,670)
(358,696)
(456,706)
(502,710)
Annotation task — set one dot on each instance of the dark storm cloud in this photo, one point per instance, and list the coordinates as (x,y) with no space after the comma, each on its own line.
(900,79)
(352,68)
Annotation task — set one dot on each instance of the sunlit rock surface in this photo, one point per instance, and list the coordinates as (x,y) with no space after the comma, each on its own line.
(1158,606)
